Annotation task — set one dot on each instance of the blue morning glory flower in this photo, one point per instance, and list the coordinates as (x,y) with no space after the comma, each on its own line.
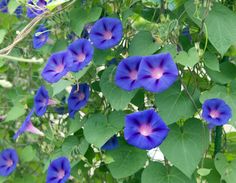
(40,37)
(127,73)
(58,170)
(157,72)
(35,9)
(27,126)
(106,33)
(19,11)
(78,98)
(186,32)
(216,112)
(41,101)
(3,6)
(82,53)
(145,129)
(57,66)
(111,144)
(8,161)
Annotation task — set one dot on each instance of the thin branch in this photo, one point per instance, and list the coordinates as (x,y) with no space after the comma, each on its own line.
(32,60)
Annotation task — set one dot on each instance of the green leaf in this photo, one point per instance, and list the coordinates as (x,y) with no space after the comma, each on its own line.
(211,61)
(3,179)
(118,98)
(143,44)
(60,86)
(204,171)
(27,154)
(81,73)
(185,146)
(3,32)
(100,56)
(16,111)
(98,129)
(127,160)
(227,73)
(225,168)
(156,172)
(187,59)
(52,5)
(80,17)
(228,95)
(220,23)
(72,143)
(214,176)
(177,102)
(60,45)
(75,124)
(12,5)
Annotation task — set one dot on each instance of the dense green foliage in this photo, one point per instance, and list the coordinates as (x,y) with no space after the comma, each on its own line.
(201,37)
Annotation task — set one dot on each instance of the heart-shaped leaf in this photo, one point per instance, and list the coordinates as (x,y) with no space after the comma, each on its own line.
(163,175)
(225,168)
(177,102)
(126,160)
(185,146)
(143,44)
(187,59)
(118,98)
(98,129)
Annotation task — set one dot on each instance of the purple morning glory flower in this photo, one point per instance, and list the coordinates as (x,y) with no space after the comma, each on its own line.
(41,101)
(127,73)
(57,66)
(216,112)
(27,126)
(106,33)
(3,6)
(111,144)
(8,161)
(82,53)
(145,129)
(19,11)
(78,98)
(35,9)
(40,37)
(157,72)
(58,171)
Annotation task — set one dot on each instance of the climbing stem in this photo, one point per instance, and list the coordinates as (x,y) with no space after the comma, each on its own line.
(218,135)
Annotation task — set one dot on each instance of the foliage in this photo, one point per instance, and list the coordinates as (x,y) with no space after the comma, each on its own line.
(200,36)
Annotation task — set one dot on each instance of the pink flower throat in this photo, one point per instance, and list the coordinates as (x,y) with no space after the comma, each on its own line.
(59,68)
(145,130)
(157,73)
(133,75)
(61,174)
(81,96)
(214,114)
(107,35)
(9,163)
(81,57)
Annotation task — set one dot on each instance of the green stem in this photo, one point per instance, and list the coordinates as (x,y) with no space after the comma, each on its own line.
(218,135)
(22,59)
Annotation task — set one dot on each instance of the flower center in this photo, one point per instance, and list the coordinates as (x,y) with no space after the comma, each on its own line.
(59,68)
(61,174)
(107,35)
(9,163)
(214,114)
(145,130)
(81,57)
(42,38)
(133,75)
(157,73)
(81,96)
